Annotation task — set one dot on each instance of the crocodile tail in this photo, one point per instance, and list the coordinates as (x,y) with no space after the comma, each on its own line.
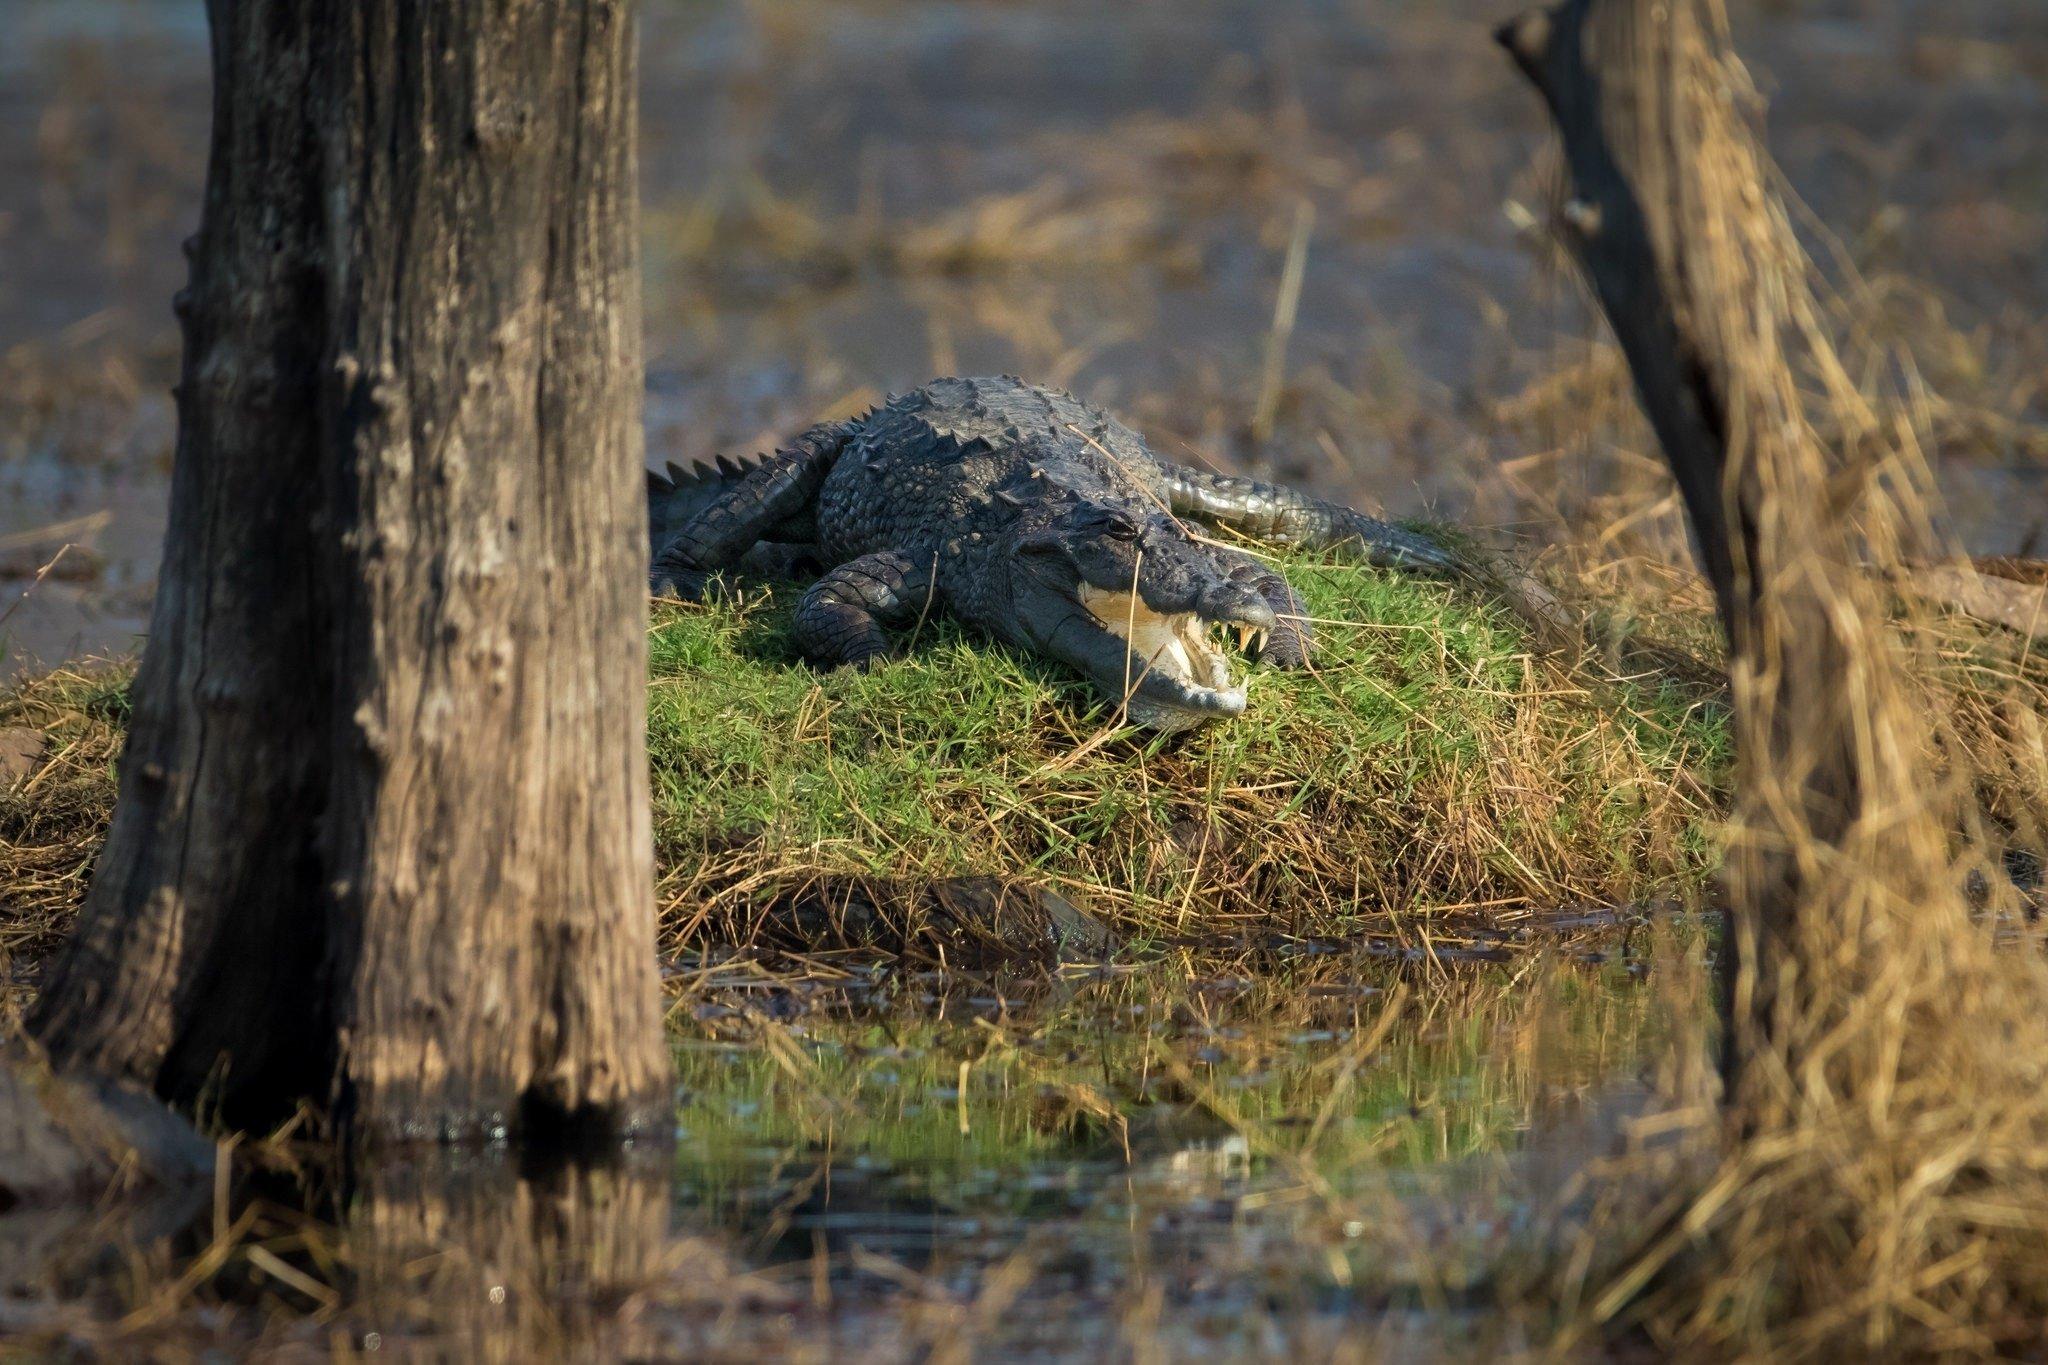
(677,495)
(1286,516)
(773,503)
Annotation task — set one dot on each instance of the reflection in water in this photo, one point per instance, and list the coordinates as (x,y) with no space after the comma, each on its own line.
(892,1164)
(467,1249)
(427,1254)
(466,1256)
(1300,1151)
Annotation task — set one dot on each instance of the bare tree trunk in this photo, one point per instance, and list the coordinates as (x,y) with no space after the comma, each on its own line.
(1674,228)
(383,833)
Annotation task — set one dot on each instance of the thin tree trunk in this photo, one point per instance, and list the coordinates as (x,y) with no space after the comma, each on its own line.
(383,833)
(1683,252)
(1882,1057)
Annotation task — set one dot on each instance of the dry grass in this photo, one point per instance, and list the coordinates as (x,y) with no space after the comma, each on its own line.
(1882,1184)
(52,821)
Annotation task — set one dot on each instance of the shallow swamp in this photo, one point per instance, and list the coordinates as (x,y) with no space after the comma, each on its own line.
(1000,1031)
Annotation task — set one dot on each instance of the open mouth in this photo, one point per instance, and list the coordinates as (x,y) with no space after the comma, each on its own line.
(1180,668)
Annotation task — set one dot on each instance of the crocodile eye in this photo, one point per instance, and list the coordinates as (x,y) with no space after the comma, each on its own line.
(1120,528)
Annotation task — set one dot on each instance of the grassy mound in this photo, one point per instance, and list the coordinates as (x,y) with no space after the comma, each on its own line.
(1427,762)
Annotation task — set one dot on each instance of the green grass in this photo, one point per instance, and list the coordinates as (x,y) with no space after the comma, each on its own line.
(1427,761)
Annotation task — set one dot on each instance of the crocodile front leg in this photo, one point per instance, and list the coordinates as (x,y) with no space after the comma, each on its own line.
(1283,516)
(840,619)
(777,489)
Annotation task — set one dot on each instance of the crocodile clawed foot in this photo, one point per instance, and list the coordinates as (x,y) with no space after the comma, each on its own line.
(1285,646)
(690,585)
(834,663)
(677,585)
(868,663)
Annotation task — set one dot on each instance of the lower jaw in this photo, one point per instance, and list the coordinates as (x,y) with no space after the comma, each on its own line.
(1167,718)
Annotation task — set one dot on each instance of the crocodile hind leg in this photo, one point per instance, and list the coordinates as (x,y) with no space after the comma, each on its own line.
(773,492)
(1290,643)
(840,619)
(1269,512)
(1282,516)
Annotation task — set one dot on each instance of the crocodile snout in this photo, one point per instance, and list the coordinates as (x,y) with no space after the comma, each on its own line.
(1237,604)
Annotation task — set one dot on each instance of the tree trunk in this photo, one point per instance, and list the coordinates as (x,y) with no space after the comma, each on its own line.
(1697,273)
(383,832)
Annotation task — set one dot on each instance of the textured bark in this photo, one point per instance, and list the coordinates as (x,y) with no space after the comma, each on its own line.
(383,832)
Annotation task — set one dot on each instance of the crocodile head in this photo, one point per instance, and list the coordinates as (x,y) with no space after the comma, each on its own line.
(1133,602)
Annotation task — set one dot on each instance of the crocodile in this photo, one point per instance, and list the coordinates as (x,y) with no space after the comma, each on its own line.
(1037,518)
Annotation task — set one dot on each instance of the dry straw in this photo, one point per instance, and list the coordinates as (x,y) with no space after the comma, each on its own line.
(1881,1186)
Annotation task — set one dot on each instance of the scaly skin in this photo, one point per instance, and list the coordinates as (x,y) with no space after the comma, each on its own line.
(1030,515)
(787,551)
(1283,516)
(771,496)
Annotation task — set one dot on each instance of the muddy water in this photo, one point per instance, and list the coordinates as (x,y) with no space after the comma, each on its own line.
(870,1164)
(842,199)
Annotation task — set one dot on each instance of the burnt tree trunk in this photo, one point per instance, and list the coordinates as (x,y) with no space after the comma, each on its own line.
(383,832)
